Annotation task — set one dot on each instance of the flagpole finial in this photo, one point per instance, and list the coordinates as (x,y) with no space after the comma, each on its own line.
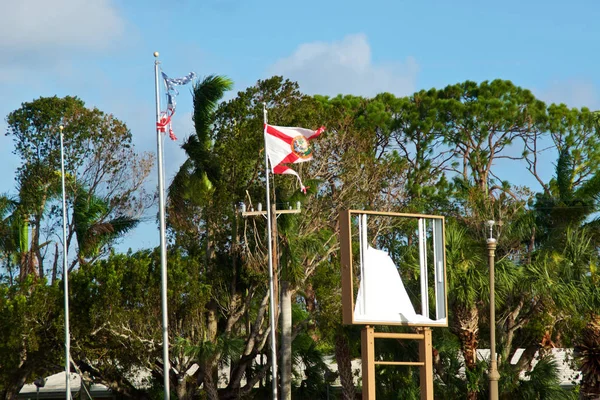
(156,54)
(265,112)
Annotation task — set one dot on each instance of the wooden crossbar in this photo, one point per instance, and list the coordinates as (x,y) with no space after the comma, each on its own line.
(390,335)
(415,363)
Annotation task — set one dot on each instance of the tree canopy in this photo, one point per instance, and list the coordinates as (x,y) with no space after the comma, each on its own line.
(460,151)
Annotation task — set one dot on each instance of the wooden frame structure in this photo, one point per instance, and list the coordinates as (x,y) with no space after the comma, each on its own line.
(425,363)
(423,334)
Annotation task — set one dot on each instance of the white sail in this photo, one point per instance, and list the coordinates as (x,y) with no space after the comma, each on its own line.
(382,296)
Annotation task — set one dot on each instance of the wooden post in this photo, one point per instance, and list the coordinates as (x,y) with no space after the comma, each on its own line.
(368,363)
(347,274)
(426,357)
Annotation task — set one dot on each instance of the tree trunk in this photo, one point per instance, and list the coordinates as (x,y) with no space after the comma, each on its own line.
(311,306)
(211,333)
(466,327)
(55,264)
(286,341)
(11,391)
(10,394)
(210,386)
(182,390)
(344,362)
(511,328)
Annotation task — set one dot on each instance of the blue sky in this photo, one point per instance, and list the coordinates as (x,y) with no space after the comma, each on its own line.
(101,51)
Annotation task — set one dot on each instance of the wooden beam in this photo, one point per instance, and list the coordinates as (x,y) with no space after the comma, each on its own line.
(346,261)
(426,373)
(368,363)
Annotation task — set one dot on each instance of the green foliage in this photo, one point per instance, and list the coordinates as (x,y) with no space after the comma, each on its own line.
(32,332)
(92,229)
(542,382)
(116,305)
(439,151)
(311,372)
(103,177)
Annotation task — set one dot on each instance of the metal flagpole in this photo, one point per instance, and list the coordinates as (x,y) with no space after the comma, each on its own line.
(65,271)
(163,244)
(271,291)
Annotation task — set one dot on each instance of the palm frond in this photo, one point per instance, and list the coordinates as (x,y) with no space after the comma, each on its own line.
(92,230)
(543,382)
(207,94)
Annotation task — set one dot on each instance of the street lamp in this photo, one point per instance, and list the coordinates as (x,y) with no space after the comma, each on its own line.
(39,382)
(494,376)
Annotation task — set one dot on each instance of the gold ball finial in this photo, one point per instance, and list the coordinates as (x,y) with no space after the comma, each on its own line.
(61,127)
(156,54)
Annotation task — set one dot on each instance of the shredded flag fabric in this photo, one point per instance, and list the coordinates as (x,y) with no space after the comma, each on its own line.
(285,145)
(171,91)
(165,121)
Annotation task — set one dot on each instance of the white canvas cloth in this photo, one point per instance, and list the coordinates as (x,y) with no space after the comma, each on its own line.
(382,296)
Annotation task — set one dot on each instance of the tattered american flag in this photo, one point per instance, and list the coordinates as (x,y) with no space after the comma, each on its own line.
(171,91)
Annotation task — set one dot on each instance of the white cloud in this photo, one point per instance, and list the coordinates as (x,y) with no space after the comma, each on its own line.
(346,67)
(572,92)
(41,34)
(38,24)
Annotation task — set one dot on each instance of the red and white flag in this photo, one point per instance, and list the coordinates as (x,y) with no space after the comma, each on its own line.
(285,145)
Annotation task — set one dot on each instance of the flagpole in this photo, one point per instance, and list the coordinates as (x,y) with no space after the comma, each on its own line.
(65,271)
(271,291)
(163,243)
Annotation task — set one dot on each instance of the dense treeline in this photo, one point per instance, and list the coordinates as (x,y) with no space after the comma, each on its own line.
(463,151)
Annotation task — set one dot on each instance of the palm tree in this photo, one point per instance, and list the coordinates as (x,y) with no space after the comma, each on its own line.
(587,351)
(564,216)
(193,185)
(13,233)
(466,279)
(191,192)
(587,345)
(94,228)
(200,171)
(14,239)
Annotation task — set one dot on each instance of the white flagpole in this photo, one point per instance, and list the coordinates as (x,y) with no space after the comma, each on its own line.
(163,243)
(271,292)
(65,271)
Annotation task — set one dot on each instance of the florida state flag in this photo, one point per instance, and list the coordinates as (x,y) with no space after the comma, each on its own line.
(285,145)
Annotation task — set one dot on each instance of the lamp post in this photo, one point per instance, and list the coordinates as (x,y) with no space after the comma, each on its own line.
(494,376)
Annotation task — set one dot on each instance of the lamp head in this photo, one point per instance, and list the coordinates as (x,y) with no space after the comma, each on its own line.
(491,224)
